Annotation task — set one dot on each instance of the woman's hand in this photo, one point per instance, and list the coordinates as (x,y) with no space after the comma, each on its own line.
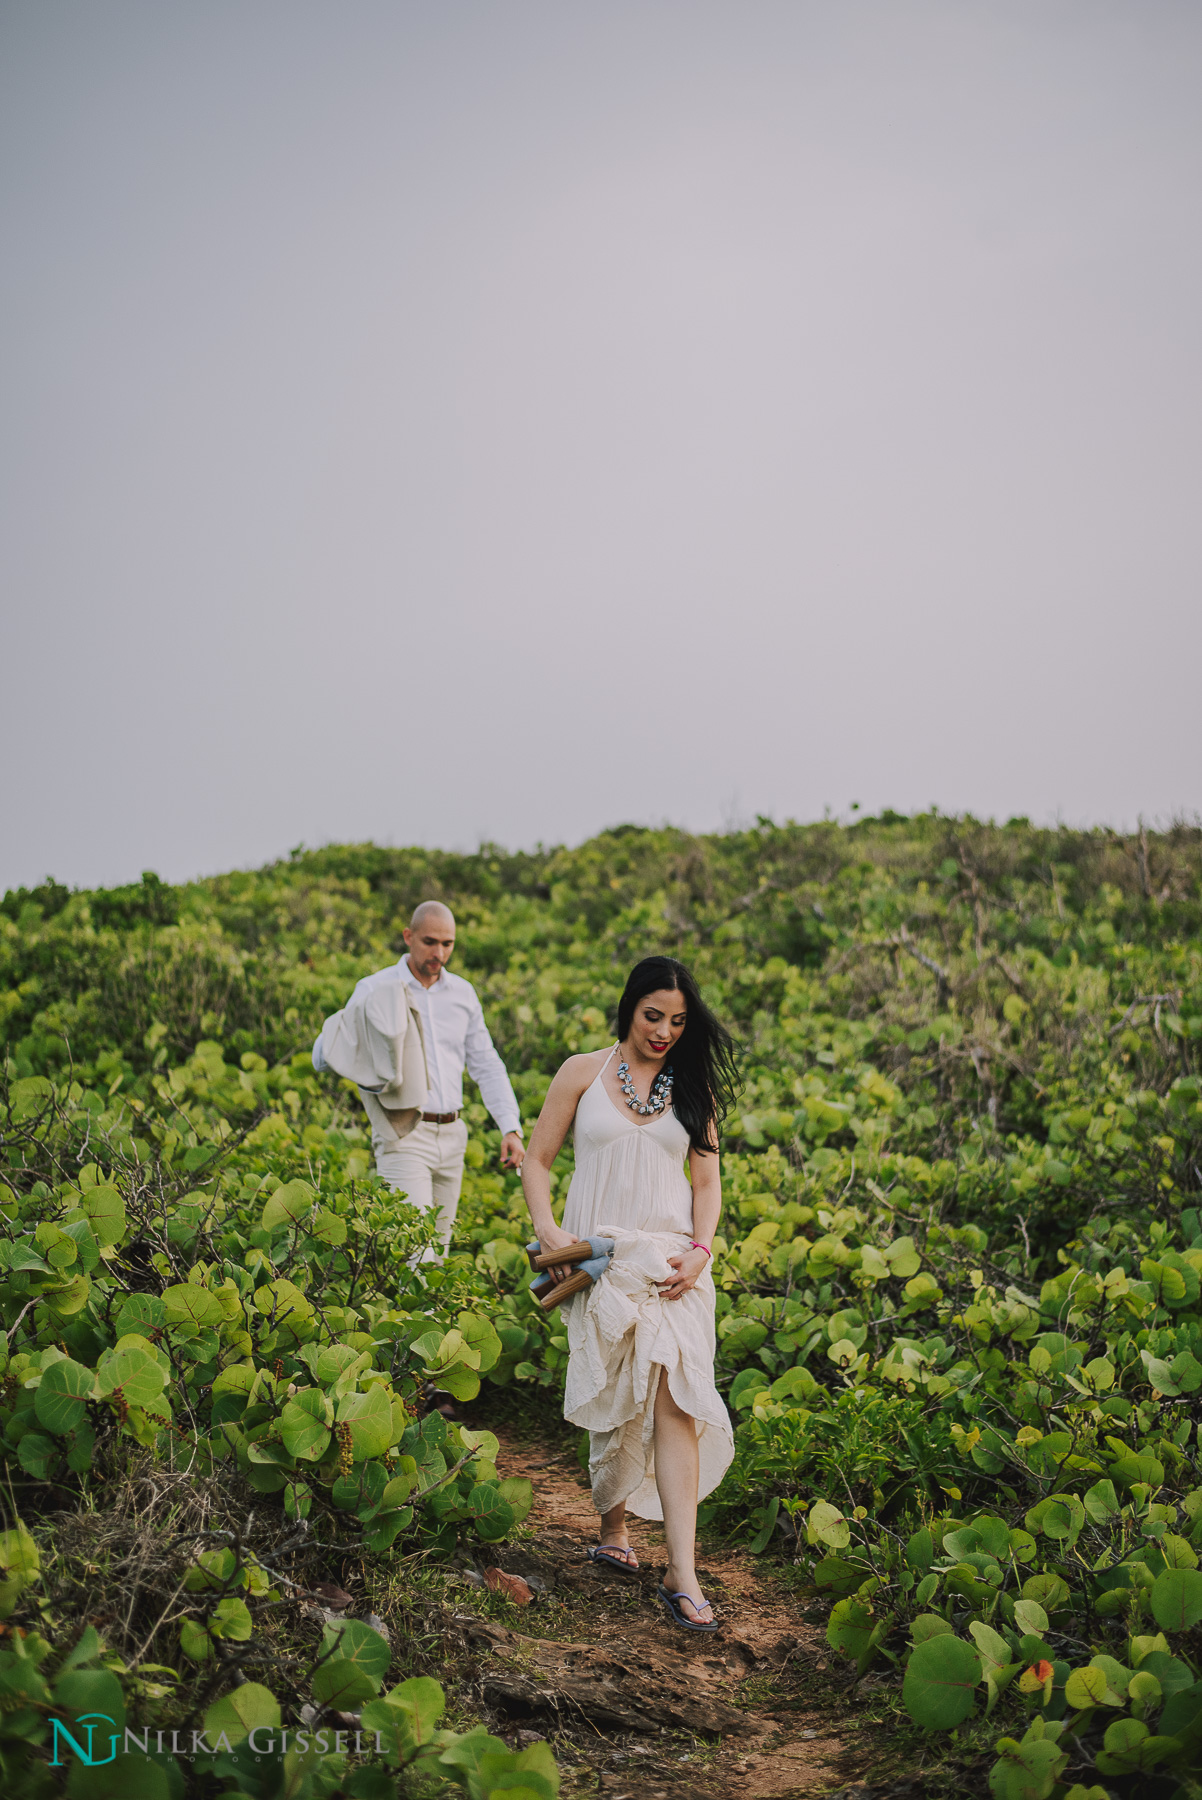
(554,1237)
(689,1266)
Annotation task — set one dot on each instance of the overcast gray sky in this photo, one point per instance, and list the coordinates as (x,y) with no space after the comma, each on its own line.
(511,417)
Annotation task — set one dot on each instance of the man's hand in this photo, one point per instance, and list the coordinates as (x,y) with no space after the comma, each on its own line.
(512,1150)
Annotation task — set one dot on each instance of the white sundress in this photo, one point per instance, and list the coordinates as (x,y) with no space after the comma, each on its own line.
(630,1185)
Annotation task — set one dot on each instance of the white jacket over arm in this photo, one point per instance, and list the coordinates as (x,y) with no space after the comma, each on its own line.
(376,1041)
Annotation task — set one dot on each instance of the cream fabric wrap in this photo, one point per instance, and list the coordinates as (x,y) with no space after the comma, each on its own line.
(376,1042)
(621,1334)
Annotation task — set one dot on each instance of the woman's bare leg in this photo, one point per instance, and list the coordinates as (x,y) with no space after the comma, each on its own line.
(614,1532)
(676,1477)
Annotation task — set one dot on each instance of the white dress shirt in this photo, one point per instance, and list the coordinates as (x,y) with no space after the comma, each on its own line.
(457,1037)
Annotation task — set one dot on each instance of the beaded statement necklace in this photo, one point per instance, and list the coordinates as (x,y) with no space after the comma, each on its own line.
(657,1099)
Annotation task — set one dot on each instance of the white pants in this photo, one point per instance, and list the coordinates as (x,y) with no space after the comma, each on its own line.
(427,1166)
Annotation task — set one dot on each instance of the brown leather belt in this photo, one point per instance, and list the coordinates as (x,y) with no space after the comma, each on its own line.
(439,1118)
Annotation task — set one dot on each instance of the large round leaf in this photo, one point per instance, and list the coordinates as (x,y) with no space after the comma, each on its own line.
(492,1515)
(1177,1599)
(282,1302)
(140,1312)
(289,1205)
(360,1644)
(36,1454)
(61,1393)
(328,1228)
(238,1713)
(459,1381)
(231,1619)
(369,1416)
(105,1210)
(479,1333)
(407,1716)
(71,1298)
(518,1493)
(139,1376)
(342,1684)
(850,1627)
(305,1425)
(828,1526)
(187,1304)
(940,1679)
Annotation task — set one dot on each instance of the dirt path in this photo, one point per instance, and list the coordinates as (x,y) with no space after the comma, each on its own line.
(633,1704)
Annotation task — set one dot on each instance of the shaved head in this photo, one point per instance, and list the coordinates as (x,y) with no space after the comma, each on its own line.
(430,939)
(429,911)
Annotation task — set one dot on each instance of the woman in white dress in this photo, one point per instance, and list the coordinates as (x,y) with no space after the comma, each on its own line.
(641,1340)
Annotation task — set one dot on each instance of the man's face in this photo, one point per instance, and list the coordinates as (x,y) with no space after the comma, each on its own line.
(430,946)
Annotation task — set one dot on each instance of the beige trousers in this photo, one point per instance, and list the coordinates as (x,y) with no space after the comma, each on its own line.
(427,1167)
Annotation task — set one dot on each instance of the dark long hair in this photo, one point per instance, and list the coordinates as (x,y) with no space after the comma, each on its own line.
(704,1078)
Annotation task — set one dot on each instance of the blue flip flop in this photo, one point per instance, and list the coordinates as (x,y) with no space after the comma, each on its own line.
(679,1616)
(600,1554)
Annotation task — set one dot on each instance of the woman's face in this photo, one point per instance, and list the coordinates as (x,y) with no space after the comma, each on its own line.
(658,1021)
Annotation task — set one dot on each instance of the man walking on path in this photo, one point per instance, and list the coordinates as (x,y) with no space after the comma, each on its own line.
(405,1037)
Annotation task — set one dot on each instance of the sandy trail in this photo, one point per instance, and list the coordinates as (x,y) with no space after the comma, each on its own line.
(636,1708)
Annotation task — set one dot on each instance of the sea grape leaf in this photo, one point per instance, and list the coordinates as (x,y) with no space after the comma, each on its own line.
(517,1491)
(195,1642)
(305,1425)
(231,1619)
(826,1525)
(993,1649)
(920,1550)
(329,1228)
(36,1454)
(358,1643)
(1025,1771)
(461,1382)
(940,1681)
(139,1376)
(288,1205)
(61,1395)
(105,1212)
(140,1313)
(1176,1598)
(239,1712)
(850,1627)
(369,1416)
(1102,1502)
(1129,1746)
(411,1711)
(1088,1687)
(187,1304)
(1030,1617)
(485,1443)
(929,1625)
(1118,1679)
(480,1336)
(80,1691)
(491,1515)
(70,1298)
(902,1257)
(1173,1675)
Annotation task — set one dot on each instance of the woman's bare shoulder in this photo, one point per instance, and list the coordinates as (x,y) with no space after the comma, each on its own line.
(579,1070)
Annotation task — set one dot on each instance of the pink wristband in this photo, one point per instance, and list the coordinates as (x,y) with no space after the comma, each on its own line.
(696,1246)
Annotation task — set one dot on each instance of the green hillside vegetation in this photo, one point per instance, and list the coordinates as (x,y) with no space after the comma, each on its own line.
(959,1316)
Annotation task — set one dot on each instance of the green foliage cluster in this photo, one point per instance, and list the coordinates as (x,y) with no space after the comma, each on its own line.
(196,1262)
(959,1320)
